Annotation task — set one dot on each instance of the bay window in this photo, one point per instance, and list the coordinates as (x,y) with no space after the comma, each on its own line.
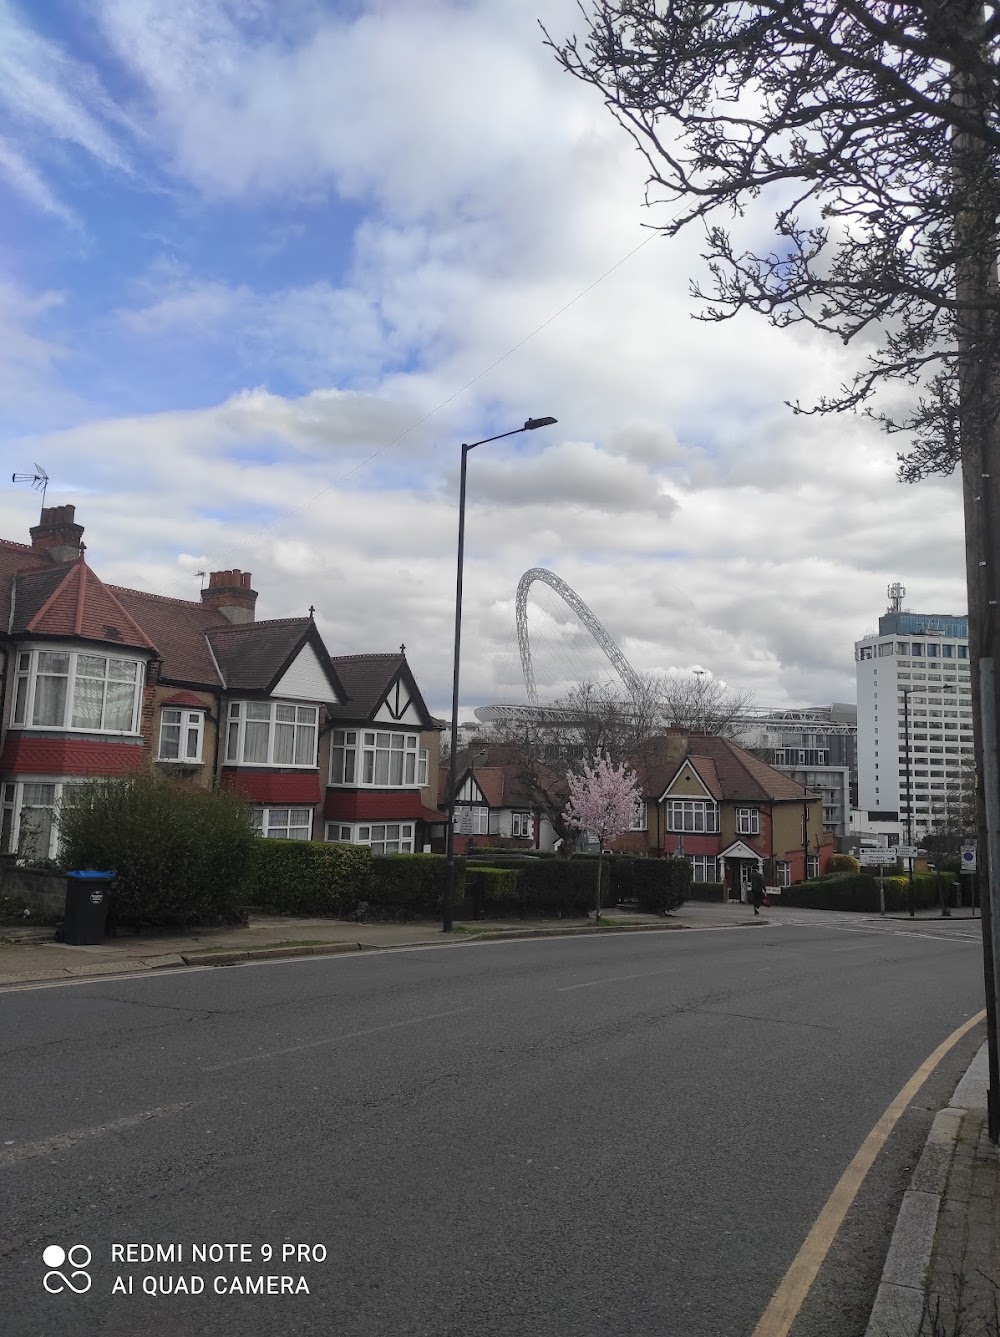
(29,827)
(380,837)
(377,758)
(271,733)
(284,823)
(67,689)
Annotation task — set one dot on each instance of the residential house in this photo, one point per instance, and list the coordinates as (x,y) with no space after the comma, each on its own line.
(496,802)
(728,812)
(100,680)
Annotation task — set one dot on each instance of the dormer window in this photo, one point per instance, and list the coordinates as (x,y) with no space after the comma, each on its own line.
(67,689)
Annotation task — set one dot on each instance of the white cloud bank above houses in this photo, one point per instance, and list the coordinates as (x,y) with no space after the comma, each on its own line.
(488,195)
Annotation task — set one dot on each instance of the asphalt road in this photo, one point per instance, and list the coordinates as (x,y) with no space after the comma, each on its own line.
(562,1136)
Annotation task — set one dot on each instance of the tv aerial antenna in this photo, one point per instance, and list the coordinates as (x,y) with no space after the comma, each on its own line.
(39,481)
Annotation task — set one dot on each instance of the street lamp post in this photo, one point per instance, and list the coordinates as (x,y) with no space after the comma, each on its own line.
(449,884)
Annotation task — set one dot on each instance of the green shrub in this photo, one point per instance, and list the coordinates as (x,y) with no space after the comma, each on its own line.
(843,863)
(182,854)
(661,885)
(708,891)
(859,892)
(411,886)
(308,877)
(493,890)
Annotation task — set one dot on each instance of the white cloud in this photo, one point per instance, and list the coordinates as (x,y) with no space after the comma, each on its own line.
(698,518)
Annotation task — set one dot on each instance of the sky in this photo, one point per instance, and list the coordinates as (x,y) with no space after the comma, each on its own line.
(264,268)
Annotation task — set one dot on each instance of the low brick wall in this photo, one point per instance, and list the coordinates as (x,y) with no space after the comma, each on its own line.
(42,891)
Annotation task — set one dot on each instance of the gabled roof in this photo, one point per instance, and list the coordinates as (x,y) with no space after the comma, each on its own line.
(729,772)
(253,656)
(501,776)
(71,601)
(179,628)
(368,681)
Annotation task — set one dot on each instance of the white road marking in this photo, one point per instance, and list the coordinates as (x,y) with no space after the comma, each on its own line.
(332,1040)
(615,979)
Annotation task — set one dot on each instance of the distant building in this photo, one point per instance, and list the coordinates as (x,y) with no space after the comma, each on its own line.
(915,747)
(816,746)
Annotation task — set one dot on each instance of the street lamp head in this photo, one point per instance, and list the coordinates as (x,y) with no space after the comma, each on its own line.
(532,423)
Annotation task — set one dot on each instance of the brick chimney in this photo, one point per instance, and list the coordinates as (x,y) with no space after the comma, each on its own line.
(230,594)
(57,533)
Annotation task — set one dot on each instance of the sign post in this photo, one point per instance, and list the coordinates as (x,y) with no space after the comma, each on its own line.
(885,854)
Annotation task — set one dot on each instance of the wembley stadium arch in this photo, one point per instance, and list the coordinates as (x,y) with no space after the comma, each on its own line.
(572,600)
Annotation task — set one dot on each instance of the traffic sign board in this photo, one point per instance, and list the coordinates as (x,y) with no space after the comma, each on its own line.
(968,858)
(882,855)
(906,851)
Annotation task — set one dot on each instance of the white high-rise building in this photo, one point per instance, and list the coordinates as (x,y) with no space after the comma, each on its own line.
(914,716)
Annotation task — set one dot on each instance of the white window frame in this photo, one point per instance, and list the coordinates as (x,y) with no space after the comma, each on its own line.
(782,873)
(521,825)
(357,756)
(705,863)
(190,727)
(13,805)
(27,663)
(378,836)
(684,814)
(243,715)
(748,821)
(279,823)
(638,822)
(480,819)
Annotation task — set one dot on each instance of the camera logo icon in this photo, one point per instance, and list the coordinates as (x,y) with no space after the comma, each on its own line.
(77,1257)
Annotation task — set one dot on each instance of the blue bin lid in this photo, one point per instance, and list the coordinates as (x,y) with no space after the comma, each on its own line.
(91,873)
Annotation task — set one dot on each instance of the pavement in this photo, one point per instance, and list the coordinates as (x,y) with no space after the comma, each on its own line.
(942,1272)
(30,954)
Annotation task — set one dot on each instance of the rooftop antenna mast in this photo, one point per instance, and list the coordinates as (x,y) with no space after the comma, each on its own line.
(897,593)
(39,480)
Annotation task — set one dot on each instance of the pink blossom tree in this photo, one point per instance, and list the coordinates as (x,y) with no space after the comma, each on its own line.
(603,798)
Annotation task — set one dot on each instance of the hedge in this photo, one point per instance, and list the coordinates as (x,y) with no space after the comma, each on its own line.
(859,892)
(493,890)
(308,877)
(556,886)
(182,854)
(411,886)
(661,885)
(708,891)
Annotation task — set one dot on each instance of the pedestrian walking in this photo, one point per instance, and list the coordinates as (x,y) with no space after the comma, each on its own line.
(757,890)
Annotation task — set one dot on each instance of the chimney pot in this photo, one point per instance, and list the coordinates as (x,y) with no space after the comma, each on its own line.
(230,593)
(57,533)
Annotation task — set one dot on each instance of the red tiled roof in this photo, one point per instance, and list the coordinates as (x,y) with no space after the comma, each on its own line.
(729,771)
(76,604)
(187,699)
(275,786)
(178,627)
(25,754)
(400,805)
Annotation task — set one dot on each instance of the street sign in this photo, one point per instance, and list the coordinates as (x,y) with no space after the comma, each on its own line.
(879,856)
(465,822)
(968,858)
(906,851)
